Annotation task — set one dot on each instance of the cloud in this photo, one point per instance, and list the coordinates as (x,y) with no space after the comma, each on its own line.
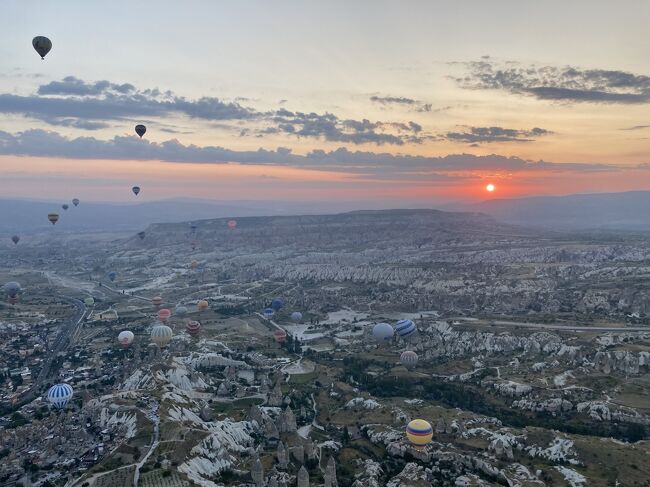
(41,143)
(566,84)
(477,135)
(72,102)
(417,105)
(636,127)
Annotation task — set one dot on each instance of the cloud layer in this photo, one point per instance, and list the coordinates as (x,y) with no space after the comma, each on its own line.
(565,84)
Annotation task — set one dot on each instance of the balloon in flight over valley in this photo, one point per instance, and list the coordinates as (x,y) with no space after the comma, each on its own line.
(65,206)
(202,305)
(277,304)
(59,395)
(161,335)
(232,224)
(296,316)
(180,311)
(157,301)
(268,313)
(419,432)
(141,235)
(112,275)
(164,314)
(409,359)
(280,336)
(15,239)
(125,338)
(42,45)
(140,130)
(193,327)
(75,201)
(405,328)
(12,289)
(53,217)
(382,332)
(89,301)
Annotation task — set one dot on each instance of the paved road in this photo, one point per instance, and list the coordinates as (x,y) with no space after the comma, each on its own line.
(68,329)
(154,416)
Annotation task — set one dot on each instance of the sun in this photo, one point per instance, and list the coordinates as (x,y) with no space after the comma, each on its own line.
(490,187)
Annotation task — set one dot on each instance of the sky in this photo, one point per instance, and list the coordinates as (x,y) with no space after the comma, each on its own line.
(420,101)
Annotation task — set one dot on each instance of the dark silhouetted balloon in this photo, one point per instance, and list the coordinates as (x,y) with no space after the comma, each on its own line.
(136,190)
(42,45)
(53,217)
(141,235)
(15,239)
(75,201)
(140,130)
(112,275)
(277,304)
(65,206)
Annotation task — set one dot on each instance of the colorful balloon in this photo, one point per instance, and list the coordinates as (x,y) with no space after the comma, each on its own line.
(268,313)
(382,332)
(419,432)
(59,395)
(164,314)
(193,327)
(157,301)
(409,359)
(125,338)
(296,316)
(89,301)
(277,304)
(280,336)
(232,224)
(53,217)
(42,45)
(202,305)
(140,130)
(161,335)
(405,328)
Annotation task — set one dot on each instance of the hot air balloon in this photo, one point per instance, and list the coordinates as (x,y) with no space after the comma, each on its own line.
(268,313)
(405,328)
(12,289)
(164,314)
(232,224)
(42,45)
(277,304)
(141,235)
(53,217)
(296,316)
(382,332)
(136,190)
(125,338)
(419,432)
(75,201)
(59,395)
(180,311)
(15,239)
(140,130)
(202,305)
(65,206)
(156,301)
(193,327)
(280,336)
(409,359)
(161,335)
(112,275)
(89,301)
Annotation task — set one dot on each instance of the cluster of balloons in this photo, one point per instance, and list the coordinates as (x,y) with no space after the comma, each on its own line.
(54,217)
(383,334)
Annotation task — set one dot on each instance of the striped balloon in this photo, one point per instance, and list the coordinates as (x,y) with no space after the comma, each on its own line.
(405,328)
(193,327)
(59,395)
(268,313)
(161,335)
(409,359)
(419,432)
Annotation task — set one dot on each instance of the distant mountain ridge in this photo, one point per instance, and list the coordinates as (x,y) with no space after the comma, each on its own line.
(605,211)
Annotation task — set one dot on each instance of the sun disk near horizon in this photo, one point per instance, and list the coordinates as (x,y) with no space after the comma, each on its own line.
(490,188)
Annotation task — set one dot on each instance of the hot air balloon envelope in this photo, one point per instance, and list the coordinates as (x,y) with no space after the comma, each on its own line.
(268,313)
(59,395)
(180,311)
(277,304)
(125,338)
(419,432)
(161,335)
(136,190)
(202,305)
(140,130)
(53,217)
(193,327)
(280,336)
(382,332)
(164,314)
(42,45)
(405,328)
(296,316)
(89,301)
(75,201)
(15,239)
(65,206)
(409,359)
